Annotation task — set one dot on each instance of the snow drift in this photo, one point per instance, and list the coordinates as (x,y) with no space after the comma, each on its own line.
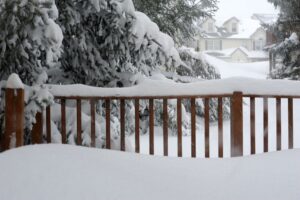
(71,173)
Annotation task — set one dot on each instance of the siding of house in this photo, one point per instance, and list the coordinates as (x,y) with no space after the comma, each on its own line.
(229,24)
(205,25)
(239,57)
(234,43)
(227,43)
(260,34)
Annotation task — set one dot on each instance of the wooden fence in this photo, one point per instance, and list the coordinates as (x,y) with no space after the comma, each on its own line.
(15,119)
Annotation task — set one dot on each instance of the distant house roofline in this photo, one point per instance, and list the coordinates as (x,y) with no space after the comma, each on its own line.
(228,20)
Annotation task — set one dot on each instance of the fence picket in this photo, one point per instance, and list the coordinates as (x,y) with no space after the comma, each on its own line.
(63,121)
(252,125)
(137,125)
(122,120)
(165,126)
(193,127)
(179,128)
(266,124)
(48,124)
(93,123)
(206,126)
(220,127)
(79,125)
(291,122)
(107,122)
(151,127)
(278,123)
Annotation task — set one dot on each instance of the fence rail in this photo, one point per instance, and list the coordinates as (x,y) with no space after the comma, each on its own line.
(236,118)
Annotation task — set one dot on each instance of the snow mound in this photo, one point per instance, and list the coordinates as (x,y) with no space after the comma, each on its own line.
(71,173)
(14,82)
(159,88)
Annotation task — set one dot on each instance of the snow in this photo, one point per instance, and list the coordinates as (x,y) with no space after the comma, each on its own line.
(251,54)
(257,70)
(294,38)
(71,173)
(14,82)
(156,88)
(246,28)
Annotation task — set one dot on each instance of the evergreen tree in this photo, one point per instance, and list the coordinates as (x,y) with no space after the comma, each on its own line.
(29,38)
(107,40)
(177,17)
(287,29)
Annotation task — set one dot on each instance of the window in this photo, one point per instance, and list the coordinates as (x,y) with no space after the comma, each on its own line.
(234,27)
(258,44)
(210,27)
(213,44)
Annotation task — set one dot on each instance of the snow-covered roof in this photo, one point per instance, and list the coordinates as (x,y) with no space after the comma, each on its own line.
(267,19)
(247,27)
(228,20)
(229,52)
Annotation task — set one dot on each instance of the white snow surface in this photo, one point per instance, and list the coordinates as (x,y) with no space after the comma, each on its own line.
(14,82)
(156,88)
(43,172)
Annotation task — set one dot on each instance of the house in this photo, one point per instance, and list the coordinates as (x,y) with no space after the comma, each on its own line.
(239,55)
(243,38)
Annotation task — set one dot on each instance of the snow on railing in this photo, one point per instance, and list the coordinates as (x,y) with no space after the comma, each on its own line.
(234,89)
(154,88)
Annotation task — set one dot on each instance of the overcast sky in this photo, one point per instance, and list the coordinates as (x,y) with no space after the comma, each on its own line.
(242,8)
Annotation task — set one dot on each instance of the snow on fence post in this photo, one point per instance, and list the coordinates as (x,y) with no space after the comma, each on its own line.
(14,112)
(237,124)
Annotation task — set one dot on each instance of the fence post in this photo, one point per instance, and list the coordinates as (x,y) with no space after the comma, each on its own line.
(237,124)
(14,112)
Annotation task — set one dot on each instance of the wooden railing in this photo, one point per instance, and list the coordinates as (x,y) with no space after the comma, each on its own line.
(236,99)
(236,122)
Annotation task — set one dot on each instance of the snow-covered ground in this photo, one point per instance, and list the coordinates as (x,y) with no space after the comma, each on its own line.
(258,70)
(53,172)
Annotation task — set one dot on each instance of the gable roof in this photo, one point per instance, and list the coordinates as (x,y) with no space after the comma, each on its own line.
(232,18)
(265,19)
(247,27)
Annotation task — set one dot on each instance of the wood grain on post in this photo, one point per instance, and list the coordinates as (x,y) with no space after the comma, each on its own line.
(237,124)
(20,117)
(291,122)
(206,126)
(48,124)
(93,122)
(79,126)
(266,124)
(278,123)
(193,127)
(151,127)
(165,126)
(179,128)
(137,125)
(220,127)
(252,125)
(9,118)
(122,120)
(63,121)
(107,121)
(37,129)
